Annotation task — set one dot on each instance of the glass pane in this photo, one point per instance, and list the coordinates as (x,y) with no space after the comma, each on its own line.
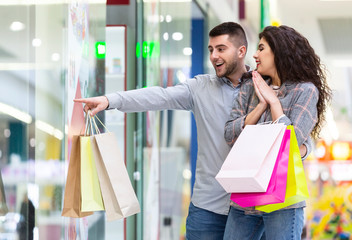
(19,193)
(175,127)
(36,113)
(166,55)
(151,157)
(115,120)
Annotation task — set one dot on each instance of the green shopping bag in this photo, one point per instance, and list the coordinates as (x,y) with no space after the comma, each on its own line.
(296,189)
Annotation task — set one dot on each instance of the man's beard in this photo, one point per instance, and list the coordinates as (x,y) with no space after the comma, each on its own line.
(229,70)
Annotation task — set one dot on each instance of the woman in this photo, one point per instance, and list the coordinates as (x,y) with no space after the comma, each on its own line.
(294,92)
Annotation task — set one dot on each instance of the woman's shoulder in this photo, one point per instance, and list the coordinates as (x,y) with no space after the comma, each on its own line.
(304,88)
(308,86)
(303,85)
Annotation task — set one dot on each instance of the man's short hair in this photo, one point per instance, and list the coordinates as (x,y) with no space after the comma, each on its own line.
(234,30)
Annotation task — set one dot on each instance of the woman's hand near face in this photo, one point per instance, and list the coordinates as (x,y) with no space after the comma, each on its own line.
(265,91)
(268,95)
(261,98)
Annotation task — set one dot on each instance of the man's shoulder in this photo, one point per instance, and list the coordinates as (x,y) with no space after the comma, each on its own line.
(208,77)
(208,80)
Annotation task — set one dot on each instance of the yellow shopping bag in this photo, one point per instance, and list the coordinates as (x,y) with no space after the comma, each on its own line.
(296,190)
(90,188)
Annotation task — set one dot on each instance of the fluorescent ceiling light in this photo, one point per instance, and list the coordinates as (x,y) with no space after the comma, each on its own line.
(16,113)
(46,127)
(25,66)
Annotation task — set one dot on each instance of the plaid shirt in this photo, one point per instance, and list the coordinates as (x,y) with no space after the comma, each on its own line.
(299,104)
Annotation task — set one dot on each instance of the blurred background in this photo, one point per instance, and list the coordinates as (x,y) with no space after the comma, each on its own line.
(52,51)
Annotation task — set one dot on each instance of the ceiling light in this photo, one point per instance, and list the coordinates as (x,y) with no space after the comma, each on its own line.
(16,113)
(177,36)
(16,26)
(168,18)
(36,42)
(187,51)
(32,142)
(55,57)
(7,133)
(166,36)
(46,127)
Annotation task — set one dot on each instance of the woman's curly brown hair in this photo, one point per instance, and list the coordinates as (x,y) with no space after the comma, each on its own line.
(295,60)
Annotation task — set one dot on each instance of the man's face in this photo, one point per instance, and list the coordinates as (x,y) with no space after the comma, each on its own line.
(223,55)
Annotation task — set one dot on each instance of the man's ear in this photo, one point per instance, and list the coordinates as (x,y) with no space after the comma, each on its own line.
(242,51)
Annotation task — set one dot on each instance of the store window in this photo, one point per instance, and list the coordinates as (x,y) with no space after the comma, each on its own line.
(115,80)
(39,75)
(166,52)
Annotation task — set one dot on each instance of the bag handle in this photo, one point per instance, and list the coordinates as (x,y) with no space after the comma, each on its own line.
(88,125)
(91,124)
(272,122)
(96,117)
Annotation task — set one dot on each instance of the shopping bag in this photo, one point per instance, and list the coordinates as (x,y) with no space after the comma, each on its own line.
(72,196)
(90,188)
(277,186)
(250,163)
(3,206)
(297,189)
(118,194)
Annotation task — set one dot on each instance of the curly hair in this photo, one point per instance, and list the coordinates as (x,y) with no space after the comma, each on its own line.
(296,60)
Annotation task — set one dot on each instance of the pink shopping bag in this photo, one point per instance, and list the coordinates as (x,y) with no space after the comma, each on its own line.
(249,165)
(277,185)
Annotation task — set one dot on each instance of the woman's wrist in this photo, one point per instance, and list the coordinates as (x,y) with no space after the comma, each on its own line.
(262,106)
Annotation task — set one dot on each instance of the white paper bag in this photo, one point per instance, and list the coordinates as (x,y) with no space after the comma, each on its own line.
(118,194)
(250,163)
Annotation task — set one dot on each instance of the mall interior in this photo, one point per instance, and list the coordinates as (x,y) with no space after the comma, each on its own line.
(53,51)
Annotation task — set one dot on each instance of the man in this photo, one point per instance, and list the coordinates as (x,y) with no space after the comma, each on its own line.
(210,98)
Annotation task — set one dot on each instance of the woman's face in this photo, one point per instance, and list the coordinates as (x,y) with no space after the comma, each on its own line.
(264,58)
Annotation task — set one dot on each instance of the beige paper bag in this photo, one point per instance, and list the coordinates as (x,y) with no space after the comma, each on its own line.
(119,198)
(72,197)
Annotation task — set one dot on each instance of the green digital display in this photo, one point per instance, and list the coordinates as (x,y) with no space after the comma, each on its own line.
(100,49)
